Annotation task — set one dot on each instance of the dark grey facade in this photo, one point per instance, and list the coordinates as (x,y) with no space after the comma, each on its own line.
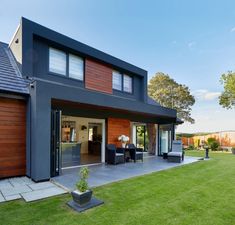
(30,47)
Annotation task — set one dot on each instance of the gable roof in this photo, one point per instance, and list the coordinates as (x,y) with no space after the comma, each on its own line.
(11,79)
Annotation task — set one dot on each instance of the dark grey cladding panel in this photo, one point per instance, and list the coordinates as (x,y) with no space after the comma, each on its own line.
(76,94)
(10,77)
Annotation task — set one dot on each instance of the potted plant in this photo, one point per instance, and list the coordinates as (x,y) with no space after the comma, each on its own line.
(124,139)
(233,150)
(82,195)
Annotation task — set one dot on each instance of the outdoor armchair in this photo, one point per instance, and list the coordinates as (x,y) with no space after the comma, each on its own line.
(115,155)
(135,153)
(177,153)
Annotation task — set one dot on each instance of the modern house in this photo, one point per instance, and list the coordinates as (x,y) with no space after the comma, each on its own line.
(62,101)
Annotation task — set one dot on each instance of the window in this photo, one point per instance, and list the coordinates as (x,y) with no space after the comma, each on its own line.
(127,83)
(57,61)
(76,67)
(117,80)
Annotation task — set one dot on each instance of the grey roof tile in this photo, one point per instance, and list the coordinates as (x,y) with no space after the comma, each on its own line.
(11,79)
(151,101)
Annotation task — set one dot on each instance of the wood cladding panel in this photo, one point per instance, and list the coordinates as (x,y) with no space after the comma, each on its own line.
(12,137)
(117,127)
(98,76)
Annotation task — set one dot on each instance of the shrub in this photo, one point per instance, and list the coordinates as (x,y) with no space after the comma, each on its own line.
(213,144)
(82,184)
(190,147)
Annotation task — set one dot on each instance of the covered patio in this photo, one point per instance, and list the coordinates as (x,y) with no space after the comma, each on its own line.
(103,173)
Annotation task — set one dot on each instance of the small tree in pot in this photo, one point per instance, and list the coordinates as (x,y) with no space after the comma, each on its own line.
(82,195)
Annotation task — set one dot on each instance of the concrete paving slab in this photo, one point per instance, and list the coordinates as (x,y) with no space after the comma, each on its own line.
(2,199)
(42,185)
(44,193)
(15,190)
(12,197)
(18,181)
(5,185)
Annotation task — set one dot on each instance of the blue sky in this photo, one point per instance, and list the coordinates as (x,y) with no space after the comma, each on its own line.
(192,41)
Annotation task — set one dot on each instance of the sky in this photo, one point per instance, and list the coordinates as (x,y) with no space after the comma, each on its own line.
(192,41)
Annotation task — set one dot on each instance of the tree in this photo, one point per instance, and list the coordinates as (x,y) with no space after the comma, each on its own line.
(170,94)
(227,98)
(213,144)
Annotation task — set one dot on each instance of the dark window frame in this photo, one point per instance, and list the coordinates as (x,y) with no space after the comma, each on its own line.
(122,85)
(121,82)
(66,76)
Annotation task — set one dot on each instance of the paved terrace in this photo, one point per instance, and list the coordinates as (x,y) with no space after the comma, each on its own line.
(25,188)
(104,174)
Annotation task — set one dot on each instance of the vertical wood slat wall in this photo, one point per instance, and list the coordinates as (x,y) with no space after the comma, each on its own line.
(12,137)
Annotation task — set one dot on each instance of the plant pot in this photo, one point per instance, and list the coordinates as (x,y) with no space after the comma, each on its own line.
(123,144)
(233,151)
(81,198)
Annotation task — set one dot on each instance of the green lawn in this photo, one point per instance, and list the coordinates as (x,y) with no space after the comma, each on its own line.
(200,193)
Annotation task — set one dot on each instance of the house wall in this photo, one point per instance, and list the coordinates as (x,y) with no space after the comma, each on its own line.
(12,137)
(117,127)
(98,76)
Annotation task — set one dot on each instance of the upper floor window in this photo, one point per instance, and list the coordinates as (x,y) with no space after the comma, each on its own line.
(57,61)
(117,80)
(76,67)
(127,83)
(122,82)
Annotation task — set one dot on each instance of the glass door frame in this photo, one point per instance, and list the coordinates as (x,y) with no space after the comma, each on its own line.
(170,129)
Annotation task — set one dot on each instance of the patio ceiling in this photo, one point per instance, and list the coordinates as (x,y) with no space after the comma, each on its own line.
(94,111)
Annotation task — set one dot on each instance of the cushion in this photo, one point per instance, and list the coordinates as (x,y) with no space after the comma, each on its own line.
(179,154)
(119,154)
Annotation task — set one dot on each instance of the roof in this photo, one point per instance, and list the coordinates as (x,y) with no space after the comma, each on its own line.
(10,77)
(179,121)
(34,29)
(151,101)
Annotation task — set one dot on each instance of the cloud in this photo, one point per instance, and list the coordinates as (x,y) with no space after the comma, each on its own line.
(232,30)
(191,44)
(206,95)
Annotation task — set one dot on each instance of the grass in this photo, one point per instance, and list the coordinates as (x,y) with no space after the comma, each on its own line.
(200,193)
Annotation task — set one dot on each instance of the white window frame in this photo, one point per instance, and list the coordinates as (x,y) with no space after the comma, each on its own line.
(63,56)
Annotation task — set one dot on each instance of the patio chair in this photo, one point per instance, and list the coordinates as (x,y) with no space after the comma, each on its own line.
(135,153)
(115,155)
(177,154)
